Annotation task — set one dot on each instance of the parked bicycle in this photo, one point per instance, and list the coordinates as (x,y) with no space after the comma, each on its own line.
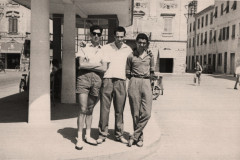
(157,87)
(23,83)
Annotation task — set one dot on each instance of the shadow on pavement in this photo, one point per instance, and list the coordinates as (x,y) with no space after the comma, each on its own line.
(71,134)
(14,108)
(228,77)
(63,111)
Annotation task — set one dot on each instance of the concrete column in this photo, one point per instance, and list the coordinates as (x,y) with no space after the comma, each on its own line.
(57,41)
(112,24)
(39,94)
(68,56)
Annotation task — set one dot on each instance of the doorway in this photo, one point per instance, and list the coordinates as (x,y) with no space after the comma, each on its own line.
(232,63)
(225,62)
(13,61)
(166,65)
(214,63)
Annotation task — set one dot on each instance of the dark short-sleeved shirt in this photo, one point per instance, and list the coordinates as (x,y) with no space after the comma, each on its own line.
(140,66)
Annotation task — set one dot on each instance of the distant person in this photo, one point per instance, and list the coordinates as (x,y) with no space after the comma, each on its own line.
(114,86)
(197,77)
(237,72)
(91,68)
(55,66)
(2,66)
(55,76)
(140,71)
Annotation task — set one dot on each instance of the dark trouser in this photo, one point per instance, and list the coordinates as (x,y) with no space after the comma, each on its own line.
(198,76)
(237,81)
(140,100)
(112,88)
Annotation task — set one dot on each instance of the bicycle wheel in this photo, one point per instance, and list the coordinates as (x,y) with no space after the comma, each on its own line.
(156,93)
(21,86)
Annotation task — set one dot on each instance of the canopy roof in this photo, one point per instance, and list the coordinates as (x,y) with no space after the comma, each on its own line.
(123,9)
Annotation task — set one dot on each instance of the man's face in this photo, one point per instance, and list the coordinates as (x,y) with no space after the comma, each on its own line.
(141,44)
(96,35)
(119,37)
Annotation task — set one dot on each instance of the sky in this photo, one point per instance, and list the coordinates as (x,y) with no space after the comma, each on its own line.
(204,4)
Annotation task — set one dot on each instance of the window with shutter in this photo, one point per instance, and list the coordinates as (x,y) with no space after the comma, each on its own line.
(233,31)
(234,6)
(205,40)
(227,36)
(168,25)
(206,23)
(13,25)
(223,33)
(222,6)
(210,37)
(211,18)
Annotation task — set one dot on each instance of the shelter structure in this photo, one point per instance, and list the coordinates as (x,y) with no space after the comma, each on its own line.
(67,15)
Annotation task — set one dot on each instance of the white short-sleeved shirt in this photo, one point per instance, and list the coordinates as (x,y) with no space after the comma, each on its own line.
(117,58)
(237,70)
(90,52)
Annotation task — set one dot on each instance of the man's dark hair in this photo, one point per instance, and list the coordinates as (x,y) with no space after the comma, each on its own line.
(55,63)
(120,29)
(94,27)
(142,36)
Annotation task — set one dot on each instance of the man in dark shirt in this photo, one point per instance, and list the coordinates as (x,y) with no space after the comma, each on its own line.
(140,69)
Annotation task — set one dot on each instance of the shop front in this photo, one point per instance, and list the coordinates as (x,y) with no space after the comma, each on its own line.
(10,54)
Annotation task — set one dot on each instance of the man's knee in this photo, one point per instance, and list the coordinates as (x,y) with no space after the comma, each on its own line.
(147,115)
(86,111)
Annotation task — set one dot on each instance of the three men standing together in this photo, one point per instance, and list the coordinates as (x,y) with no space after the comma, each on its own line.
(102,74)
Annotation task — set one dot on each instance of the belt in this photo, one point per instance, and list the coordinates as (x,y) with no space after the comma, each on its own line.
(139,76)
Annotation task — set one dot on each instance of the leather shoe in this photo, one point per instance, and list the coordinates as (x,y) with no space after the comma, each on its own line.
(139,143)
(130,142)
(79,144)
(90,141)
(100,140)
(122,140)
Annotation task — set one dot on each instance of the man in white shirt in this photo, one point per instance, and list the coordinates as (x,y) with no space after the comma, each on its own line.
(114,86)
(89,80)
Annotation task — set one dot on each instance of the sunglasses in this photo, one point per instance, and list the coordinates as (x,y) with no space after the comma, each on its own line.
(94,34)
(142,43)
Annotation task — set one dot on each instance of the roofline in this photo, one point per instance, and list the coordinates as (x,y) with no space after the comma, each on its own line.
(205,10)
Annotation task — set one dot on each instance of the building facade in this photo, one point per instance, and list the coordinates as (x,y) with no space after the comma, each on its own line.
(165,23)
(14,24)
(213,38)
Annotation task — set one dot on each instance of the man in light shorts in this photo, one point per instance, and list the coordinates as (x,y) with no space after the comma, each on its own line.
(89,80)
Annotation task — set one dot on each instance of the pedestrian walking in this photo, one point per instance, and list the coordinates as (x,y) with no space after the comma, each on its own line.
(114,86)
(197,77)
(2,66)
(140,71)
(237,73)
(89,80)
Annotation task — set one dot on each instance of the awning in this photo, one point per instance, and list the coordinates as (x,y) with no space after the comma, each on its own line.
(123,9)
(11,47)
